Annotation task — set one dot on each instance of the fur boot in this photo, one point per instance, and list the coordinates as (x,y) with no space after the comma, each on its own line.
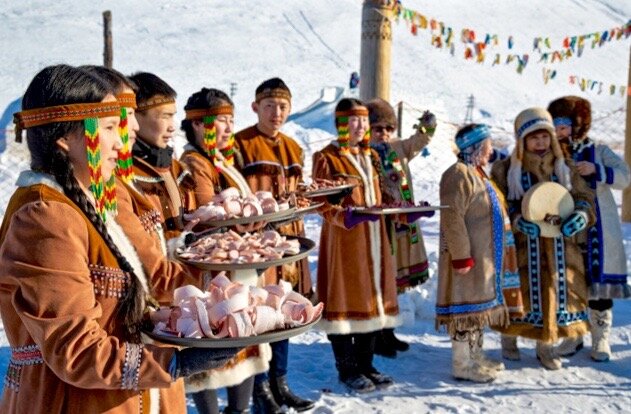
(547,356)
(476,342)
(600,324)
(463,366)
(569,346)
(510,350)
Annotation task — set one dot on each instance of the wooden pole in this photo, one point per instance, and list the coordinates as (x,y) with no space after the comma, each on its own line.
(108,55)
(376,41)
(626,193)
(399,118)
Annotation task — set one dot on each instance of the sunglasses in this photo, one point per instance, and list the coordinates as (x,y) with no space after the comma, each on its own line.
(380,129)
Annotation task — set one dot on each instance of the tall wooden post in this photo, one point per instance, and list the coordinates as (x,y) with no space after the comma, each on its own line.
(108,54)
(374,69)
(626,194)
(399,119)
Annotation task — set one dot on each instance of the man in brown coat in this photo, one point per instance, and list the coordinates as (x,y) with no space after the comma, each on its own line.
(273,162)
(161,178)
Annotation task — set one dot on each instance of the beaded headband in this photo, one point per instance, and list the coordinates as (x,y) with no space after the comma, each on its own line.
(197,114)
(62,113)
(273,93)
(158,100)
(127,99)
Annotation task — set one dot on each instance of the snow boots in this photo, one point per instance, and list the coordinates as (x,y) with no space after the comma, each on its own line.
(463,366)
(387,345)
(569,346)
(509,348)
(600,325)
(547,356)
(263,400)
(284,396)
(476,342)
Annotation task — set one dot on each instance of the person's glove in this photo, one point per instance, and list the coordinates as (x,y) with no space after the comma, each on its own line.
(189,361)
(337,198)
(412,217)
(426,123)
(574,223)
(351,218)
(528,227)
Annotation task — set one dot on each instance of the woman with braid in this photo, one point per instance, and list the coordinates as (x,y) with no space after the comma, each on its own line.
(360,296)
(72,287)
(210,156)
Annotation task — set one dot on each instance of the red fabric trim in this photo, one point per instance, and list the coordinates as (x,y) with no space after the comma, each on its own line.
(462,263)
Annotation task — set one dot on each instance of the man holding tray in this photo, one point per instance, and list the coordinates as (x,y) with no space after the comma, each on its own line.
(273,162)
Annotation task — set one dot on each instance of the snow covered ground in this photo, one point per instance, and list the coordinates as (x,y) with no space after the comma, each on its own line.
(315,44)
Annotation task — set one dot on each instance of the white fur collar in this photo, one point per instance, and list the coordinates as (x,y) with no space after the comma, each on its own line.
(28,178)
(127,250)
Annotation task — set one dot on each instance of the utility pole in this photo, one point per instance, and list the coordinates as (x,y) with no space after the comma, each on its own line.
(376,42)
(233,89)
(468,118)
(108,54)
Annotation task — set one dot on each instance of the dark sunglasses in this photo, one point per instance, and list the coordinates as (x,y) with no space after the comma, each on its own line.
(380,129)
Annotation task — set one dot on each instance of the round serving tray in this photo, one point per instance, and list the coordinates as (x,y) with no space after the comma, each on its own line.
(395,210)
(327,191)
(264,338)
(269,218)
(309,210)
(306,245)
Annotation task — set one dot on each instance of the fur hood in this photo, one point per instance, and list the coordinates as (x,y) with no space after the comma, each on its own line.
(579,110)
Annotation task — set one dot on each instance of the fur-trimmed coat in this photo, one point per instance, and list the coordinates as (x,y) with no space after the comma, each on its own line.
(356,271)
(170,190)
(275,165)
(208,181)
(605,258)
(471,234)
(251,360)
(409,247)
(552,274)
(59,289)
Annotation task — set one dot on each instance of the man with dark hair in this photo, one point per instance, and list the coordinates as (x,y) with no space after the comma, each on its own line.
(272,161)
(162,179)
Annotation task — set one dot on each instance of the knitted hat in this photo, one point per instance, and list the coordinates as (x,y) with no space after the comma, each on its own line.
(381,112)
(579,112)
(531,120)
(471,134)
(527,122)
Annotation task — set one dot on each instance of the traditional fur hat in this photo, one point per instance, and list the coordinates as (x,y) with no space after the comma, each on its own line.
(527,122)
(381,112)
(579,111)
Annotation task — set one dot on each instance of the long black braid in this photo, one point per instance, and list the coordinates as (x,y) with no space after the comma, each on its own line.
(47,157)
